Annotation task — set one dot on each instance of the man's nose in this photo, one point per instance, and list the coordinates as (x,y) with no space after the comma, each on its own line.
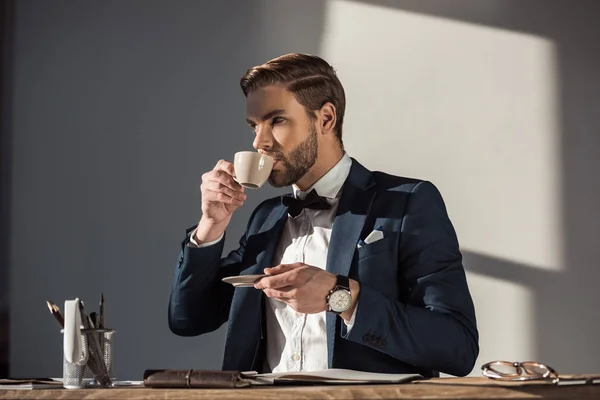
(263,139)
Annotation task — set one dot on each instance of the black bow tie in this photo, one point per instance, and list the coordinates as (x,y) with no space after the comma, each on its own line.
(312,201)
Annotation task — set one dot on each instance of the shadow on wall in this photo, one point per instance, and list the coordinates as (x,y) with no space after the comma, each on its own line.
(565,305)
(6,17)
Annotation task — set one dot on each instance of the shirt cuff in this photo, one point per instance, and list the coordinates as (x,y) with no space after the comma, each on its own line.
(350,323)
(193,243)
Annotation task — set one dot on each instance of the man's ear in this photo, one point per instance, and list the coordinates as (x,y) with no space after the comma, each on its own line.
(328,117)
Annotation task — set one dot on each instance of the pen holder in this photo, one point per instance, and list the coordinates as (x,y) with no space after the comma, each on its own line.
(94,368)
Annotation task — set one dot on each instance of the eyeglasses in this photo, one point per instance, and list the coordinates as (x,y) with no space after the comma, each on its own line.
(519,371)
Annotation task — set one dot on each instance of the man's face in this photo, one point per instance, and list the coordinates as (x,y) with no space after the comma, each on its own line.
(283,131)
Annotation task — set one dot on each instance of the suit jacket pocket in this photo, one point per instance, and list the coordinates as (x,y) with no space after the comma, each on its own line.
(379,246)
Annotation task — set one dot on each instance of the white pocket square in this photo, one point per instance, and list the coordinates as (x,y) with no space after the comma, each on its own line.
(374,236)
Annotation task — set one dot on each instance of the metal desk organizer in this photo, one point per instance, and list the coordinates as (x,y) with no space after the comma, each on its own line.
(94,368)
(87,350)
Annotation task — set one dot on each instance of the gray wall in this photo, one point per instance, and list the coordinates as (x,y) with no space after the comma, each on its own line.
(118,107)
(6,12)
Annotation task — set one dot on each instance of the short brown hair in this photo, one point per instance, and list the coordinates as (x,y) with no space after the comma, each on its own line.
(310,78)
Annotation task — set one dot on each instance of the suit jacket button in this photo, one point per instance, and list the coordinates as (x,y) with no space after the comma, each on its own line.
(367,338)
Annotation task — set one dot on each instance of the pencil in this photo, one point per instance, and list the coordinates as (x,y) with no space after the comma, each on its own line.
(55,311)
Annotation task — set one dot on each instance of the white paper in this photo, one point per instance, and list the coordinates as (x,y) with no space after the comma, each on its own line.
(335,375)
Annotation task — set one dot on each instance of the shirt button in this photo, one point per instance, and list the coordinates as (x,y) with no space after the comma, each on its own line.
(296,357)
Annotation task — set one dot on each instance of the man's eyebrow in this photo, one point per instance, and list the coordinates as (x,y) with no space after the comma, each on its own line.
(268,115)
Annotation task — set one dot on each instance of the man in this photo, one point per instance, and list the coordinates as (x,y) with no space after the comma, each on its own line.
(333,297)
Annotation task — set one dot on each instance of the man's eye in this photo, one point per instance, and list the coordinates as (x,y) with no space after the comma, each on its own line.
(277,120)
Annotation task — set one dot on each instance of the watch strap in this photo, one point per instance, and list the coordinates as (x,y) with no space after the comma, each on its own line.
(342,282)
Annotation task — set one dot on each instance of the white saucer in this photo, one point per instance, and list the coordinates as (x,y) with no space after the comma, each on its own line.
(243,280)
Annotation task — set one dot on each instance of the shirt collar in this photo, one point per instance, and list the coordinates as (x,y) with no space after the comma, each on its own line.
(330,184)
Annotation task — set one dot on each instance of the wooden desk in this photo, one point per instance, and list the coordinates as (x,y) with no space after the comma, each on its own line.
(448,388)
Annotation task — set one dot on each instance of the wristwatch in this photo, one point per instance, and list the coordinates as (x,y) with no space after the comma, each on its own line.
(339,298)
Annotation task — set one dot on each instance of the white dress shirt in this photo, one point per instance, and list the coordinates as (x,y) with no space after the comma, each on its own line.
(297,341)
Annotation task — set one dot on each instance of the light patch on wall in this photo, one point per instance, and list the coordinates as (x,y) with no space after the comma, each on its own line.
(469,107)
(504,319)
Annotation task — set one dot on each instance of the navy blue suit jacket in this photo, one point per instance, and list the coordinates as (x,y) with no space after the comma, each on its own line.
(415,313)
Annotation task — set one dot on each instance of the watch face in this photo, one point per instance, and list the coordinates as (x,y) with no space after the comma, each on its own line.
(340,301)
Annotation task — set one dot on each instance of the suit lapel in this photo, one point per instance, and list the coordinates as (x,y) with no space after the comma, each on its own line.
(278,215)
(350,217)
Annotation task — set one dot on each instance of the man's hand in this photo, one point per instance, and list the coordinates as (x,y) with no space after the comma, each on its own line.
(303,287)
(221,196)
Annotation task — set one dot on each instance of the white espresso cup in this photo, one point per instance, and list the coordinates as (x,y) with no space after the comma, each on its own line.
(252,169)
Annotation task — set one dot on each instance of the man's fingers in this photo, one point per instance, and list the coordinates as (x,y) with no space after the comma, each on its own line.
(281,268)
(279,276)
(221,188)
(228,167)
(277,281)
(222,177)
(225,166)
(281,295)
(220,197)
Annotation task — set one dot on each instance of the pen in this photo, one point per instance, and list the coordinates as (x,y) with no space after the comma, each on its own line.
(101,319)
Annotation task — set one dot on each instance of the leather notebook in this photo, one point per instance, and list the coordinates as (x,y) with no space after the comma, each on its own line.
(190,378)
